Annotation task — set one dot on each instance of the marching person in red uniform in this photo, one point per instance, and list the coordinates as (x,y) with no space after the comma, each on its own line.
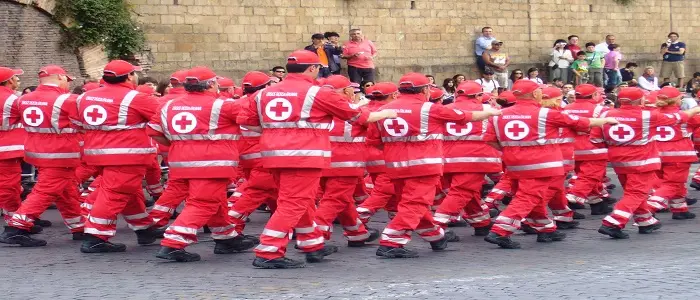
(226,87)
(634,158)
(294,117)
(414,159)
(12,137)
(52,145)
(467,161)
(529,137)
(202,133)
(114,118)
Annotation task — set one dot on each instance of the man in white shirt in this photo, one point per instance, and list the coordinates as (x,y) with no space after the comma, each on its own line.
(603,47)
(488,84)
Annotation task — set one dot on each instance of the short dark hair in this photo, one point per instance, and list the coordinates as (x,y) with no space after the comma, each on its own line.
(146,79)
(277,67)
(558,79)
(117,79)
(77,90)
(6,82)
(590,44)
(296,68)
(613,46)
(378,98)
(252,89)
(330,34)
(696,74)
(631,65)
(412,90)
(199,86)
(484,28)
(580,53)
(317,36)
(672,33)
(571,36)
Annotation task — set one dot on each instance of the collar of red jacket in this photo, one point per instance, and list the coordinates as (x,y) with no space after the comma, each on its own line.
(670,108)
(464,99)
(298,77)
(630,107)
(412,97)
(528,102)
(50,87)
(128,85)
(225,95)
(177,91)
(6,90)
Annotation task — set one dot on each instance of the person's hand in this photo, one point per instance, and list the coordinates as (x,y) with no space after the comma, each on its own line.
(492,111)
(390,114)
(610,120)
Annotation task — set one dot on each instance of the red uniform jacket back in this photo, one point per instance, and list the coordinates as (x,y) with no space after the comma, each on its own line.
(375,156)
(583,148)
(172,94)
(348,149)
(674,142)
(249,145)
(12,134)
(465,146)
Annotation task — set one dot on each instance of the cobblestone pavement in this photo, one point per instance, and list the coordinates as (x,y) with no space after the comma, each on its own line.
(586,265)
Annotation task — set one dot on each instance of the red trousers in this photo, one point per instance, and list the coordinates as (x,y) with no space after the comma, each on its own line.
(119,192)
(55,185)
(175,193)
(558,202)
(338,202)
(259,188)
(589,177)
(84,172)
(416,194)
(505,186)
(295,211)
(383,196)
(206,205)
(696,177)
(89,196)
(360,194)
(529,203)
(11,186)
(672,190)
(153,174)
(464,193)
(636,188)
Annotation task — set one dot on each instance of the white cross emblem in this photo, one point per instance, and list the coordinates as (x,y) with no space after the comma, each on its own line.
(459,129)
(665,133)
(621,132)
(279,109)
(516,130)
(183,122)
(396,127)
(95,115)
(33,116)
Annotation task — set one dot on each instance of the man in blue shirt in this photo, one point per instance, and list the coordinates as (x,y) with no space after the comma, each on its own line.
(673,52)
(483,43)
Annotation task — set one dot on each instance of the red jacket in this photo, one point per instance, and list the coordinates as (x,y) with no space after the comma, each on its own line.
(529,135)
(203,134)
(114,118)
(172,94)
(630,143)
(464,144)
(249,145)
(52,141)
(413,141)
(674,142)
(584,150)
(348,149)
(11,133)
(295,117)
(375,156)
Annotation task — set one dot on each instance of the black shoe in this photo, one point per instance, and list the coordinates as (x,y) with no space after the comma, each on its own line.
(528,229)
(318,255)
(615,233)
(579,216)
(234,245)
(683,216)
(600,208)
(42,223)
(458,223)
(93,244)
(253,238)
(610,186)
(277,263)
(547,237)
(395,252)
(482,231)
(494,212)
(440,244)
(610,200)
(36,229)
(663,210)
(157,232)
(649,229)
(451,236)
(79,236)
(502,241)
(52,206)
(146,236)
(567,225)
(174,215)
(506,200)
(20,237)
(178,255)
(206,229)
(690,201)
(576,205)
(373,236)
(695,185)
(151,202)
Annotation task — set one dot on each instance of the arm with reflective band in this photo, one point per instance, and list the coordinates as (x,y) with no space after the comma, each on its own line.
(70,109)
(155,128)
(248,116)
(374,138)
(337,105)
(145,105)
(559,119)
(10,107)
(661,119)
(445,114)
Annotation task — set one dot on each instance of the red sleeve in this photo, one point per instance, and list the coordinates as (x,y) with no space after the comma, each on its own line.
(373,136)
(445,114)
(490,135)
(339,106)
(155,126)
(659,119)
(694,122)
(596,136)
(145,105)
(70,109)
(249,112)
(231,110)
(559,119)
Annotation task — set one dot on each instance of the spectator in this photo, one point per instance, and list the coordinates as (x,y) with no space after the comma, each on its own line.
(431,78)
(149,81)
(693,84)
(604,47)
(567,94)
(278,72)
(436,95)
(579,68)
(595,64)
(164,87)
(557,83)
(274,80)
(691,100)
(448,85)
(516,75)
(334,40)
(573,44)
(627,73)
(488,84)
(532,74)
(30,89)
(459,78)
(559,61)
(612,65)
(481,44)
(497,61)
(360,53)
(365,85)
(325,53)
(648,80)
(673,52)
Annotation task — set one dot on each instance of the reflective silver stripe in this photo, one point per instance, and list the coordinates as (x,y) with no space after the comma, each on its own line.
(155,127)
(311,242)
(565,140)
(646,118)
(52,155)
(251,156)
(414,162)
(100,232)
(265,248)
(183,230)
(101,221)
(177,238)
(463,138)
(203,164)
(50,130)
(164,119)
(402,241)
(274,233)
(300,124)
(637,163)
(320,153)
(221,229)
(124,107)
(473,160)
(597,110)
(684,130)
(542,123)
(347,130)
(597,141)
(539,142)
(258,97)
(250,133)
(547,165)
(109,151)
(214,116)
(677,153)
(308,103)
(305,230)
(340,139)
(6,110)
(12,148)
(568,162)
(164,209)
(425,117)
(205,137)
(348,164)
(591,152)
(495,128)
(417,138)
(374,163)
(136,216)
(109,127)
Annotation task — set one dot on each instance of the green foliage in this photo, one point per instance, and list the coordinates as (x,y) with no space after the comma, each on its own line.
(105,22)
(624,2)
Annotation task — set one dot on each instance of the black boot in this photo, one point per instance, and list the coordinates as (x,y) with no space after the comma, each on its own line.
(548,237)
(93,244)
(528,229)
(506,200)
(610,200)
(373,236)
(318,255)
(690,201)
(440,244)
(649,229)
(482,231)
(395,252)
(695,185)
(576,205)
(206,229)
(234,245)
(20,237)
(253,238)
(600,208)
(178,255)
(683,216)
(458,223)
(615,233)
(42,223)
(277,263)
(567,225)
(79,236)
(494,212)
(501,241)
(146,236)
(579,216)
(36,229)
(451,236)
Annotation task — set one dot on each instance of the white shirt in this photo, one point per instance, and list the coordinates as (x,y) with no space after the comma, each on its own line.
(648,85)
(602,48)
(488,86)
(536,80)
(688,103)
(562,58)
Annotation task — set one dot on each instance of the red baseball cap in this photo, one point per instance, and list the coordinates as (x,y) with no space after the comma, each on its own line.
(524,87)
(303,57)
(355,87)
(369,90)
(255,79)
(508,96)
(436,93)
(414,80)
(90,86)
(7,73)
(179,77)
(225,82)
(469,88)
(384,89)
(120,67)
(237,92)
(486,97)
(630,94)
(198,74)
(338,82)
(54,70)
(551,92)
(669,92)
(585,90)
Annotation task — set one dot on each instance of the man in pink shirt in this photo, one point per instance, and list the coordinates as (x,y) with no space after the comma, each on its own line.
(360,54)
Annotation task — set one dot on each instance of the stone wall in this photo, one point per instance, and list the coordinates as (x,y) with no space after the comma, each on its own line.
(436,36)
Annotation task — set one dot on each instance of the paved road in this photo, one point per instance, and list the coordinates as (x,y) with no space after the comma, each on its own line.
(587,265)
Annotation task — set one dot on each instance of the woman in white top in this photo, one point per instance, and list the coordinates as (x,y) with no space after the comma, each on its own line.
(559,62)
(532,74)
(648,81)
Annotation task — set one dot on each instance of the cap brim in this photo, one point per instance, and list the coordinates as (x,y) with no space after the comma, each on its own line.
(18,72)
(138,68)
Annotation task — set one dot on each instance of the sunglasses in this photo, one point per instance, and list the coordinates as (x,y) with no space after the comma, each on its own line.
(281,72)
(368,85)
